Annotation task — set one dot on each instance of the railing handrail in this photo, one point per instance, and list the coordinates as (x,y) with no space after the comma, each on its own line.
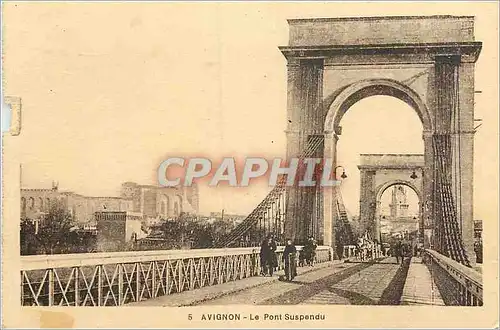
(91,259)
(469,273)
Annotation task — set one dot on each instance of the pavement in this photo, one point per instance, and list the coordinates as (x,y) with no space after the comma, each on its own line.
(381,282)
(420,288)
(285,293)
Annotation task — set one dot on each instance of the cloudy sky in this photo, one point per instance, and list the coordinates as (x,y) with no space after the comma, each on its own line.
(109,90)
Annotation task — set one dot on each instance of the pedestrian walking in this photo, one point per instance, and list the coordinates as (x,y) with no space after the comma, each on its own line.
(289,259)
(397,250)
(405,251)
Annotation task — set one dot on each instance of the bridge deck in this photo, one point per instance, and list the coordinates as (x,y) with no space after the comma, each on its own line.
(212,293)
(375,283)
(378,284)
(420,288)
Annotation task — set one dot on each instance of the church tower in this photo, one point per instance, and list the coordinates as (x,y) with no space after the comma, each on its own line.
(399,206)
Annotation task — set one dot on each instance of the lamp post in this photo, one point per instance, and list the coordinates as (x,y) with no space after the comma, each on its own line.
(343,176)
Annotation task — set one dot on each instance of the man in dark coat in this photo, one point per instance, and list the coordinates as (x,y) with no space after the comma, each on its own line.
(264,256)
(289,255)
(398,251)
(268,260)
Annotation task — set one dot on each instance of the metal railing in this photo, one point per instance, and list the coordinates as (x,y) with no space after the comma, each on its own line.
(459,285)
(115,279)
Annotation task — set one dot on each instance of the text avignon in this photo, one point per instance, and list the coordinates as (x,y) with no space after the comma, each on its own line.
(221,317)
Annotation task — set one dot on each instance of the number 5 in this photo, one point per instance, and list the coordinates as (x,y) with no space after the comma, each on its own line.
(190,317)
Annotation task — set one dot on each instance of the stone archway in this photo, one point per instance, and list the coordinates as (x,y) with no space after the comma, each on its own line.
(428,63)
(398,212)
(336,105)
(379,191)
(338,102)
(378,172)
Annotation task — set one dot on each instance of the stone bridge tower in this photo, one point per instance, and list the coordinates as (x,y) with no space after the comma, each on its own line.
(427,62)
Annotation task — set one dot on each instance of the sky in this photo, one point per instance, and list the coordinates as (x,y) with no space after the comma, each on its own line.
(109,90)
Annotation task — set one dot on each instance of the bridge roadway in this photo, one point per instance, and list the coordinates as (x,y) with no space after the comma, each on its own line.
(381,282)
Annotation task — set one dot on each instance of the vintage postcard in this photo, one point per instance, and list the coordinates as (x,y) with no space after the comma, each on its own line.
(250,164)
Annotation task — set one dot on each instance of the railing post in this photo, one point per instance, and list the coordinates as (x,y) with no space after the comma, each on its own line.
(168,272)
(137,280)
(219,269)
(201,264)
(51,286)
(191,273)
(180,264)
(153,280)
(22,288)
(211,270)
(120,284)
(77,286)
(99,285)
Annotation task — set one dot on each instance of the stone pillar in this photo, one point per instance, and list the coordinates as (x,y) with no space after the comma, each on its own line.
(329,195)
(367,202)
(305,117)
(377,224)
(454,117)
(466,192)
(427,223)
(464,144)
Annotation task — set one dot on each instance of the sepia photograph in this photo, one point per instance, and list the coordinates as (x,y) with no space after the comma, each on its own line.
(235,160)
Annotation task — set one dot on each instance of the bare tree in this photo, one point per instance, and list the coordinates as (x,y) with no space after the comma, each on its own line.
(55,234)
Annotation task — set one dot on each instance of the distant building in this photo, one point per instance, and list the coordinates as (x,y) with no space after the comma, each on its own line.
(36,202)
(116,229)
(149,201)
(165,202)
(398,220)
(398,206)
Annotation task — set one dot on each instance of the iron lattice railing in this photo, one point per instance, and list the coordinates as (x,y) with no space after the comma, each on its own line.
(458,284)
(115,279)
